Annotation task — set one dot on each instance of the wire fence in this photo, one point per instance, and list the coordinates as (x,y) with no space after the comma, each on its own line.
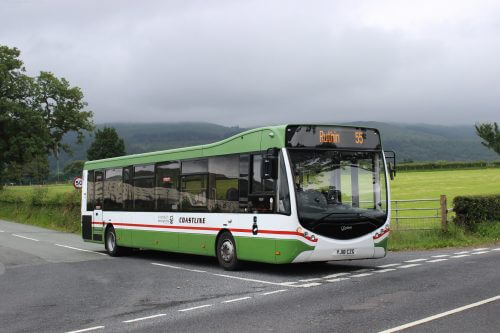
(420,214)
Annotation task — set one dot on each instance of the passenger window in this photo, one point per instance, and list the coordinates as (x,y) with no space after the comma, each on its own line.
(144,199)
(194,185)
(90,190)
(167,186)
(113,199)
(128,198)
(224,195)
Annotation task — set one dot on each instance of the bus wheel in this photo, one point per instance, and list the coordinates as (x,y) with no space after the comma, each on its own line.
(226,252)
(113,249)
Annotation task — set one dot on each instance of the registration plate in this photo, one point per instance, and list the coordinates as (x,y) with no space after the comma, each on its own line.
(346,252)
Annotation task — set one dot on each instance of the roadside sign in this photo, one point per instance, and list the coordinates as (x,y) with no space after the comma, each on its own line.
(78,182)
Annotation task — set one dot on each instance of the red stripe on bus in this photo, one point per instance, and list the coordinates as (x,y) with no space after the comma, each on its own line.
(274,232)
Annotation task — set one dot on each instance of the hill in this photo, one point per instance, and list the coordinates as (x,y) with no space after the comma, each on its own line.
(412,142)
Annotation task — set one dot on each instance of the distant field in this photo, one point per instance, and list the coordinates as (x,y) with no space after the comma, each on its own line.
(431,184)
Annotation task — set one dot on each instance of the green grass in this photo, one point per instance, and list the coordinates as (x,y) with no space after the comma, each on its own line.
(486,233)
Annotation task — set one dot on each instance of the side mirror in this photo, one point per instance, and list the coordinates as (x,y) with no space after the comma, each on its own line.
(391,155)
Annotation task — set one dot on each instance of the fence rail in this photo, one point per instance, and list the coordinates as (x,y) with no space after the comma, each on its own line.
(416,214)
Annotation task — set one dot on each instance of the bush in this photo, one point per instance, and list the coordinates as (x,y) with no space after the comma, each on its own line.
(470,210)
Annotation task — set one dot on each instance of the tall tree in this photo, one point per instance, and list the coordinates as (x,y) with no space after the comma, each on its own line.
(490,134)
(74,168)
(35,113)
(107,144)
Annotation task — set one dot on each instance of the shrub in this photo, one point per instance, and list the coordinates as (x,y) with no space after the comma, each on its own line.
(470,210)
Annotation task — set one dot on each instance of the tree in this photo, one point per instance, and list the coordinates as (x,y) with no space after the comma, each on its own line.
(107,144)
(74,168)
(490,134)
(36,112)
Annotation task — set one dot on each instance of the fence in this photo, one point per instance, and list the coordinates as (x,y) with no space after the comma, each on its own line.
(419,214)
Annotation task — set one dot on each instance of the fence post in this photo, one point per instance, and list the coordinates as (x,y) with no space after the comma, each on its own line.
(444,212)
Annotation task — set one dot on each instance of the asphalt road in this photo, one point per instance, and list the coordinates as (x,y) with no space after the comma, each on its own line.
(54,282)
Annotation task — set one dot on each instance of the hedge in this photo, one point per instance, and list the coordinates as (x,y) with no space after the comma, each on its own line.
(470,210)
(446,165)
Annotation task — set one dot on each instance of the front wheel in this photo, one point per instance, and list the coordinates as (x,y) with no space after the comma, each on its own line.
(226,252)
(113,249)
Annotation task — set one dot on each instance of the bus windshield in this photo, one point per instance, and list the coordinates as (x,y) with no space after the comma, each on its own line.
(339,186)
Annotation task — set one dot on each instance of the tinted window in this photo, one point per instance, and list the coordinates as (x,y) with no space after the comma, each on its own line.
(144,194)
(196,166)
(99,180)
(113,197)
(90,190)
(128,198)
(167,186)
(144,171)
(256,178)
(194,192)
(224,174)
(243,181)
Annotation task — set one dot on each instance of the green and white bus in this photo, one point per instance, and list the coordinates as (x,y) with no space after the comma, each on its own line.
(278,194)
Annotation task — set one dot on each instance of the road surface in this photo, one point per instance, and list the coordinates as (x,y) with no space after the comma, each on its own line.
(54,282)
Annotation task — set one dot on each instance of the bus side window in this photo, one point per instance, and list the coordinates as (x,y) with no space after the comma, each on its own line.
(98,189)
(128,200)
(223,173)
(194,185)
(90,190)
(262,191)
(167,186)
(113,190)
(144,188)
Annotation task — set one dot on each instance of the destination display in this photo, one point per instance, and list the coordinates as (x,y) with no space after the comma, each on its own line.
(298,136)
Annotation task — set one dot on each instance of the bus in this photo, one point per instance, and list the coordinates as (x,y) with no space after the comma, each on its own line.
(277,194)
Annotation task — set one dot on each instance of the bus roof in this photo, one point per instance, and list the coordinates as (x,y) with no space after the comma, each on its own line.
(257,139)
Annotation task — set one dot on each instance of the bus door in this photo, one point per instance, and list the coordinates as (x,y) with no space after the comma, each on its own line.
(98,218)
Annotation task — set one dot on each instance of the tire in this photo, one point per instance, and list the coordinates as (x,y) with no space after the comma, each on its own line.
(226,252)
(110,242)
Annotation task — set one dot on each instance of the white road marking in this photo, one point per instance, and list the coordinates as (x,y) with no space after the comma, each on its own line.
(289,283)
(461,256)
(307,285)
(480,252)
(2,231)
(361,275)
(87,329)
(385,270)
(237,299)
(78,249)
(309,280)
(335,275)
(388,265)
(463,252)
(195,270)
(338,279)
(363,270)
(441,315)
(274,292)
(416,260)
(163,265)
(497,249)
(437,260)
(441,256)
(144,318)
(36,240)
(196,307)
(481,249)
(409,266)
(251,280)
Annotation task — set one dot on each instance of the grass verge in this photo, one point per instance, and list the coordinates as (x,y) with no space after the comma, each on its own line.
(485,233)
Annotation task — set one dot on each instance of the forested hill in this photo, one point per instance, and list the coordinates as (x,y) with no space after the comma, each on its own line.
(416,142)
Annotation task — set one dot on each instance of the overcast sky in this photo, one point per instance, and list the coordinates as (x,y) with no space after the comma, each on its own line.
(265,62)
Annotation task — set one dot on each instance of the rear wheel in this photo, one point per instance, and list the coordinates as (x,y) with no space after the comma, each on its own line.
(113,249)
(226,252)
